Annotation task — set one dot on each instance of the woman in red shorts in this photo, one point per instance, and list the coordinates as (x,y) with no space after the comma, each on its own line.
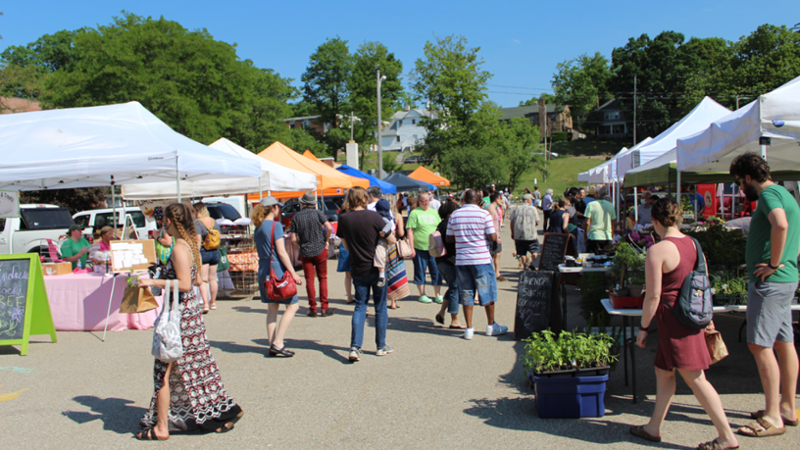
(679,348)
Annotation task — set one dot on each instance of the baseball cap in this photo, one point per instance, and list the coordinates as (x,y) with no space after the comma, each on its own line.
(270,201)
(74,227)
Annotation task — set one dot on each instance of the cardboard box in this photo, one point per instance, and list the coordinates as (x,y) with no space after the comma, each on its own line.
(50,269)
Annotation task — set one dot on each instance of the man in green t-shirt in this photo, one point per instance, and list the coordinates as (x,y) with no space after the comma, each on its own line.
(771,255)
(601,221)
(76,248)
(422,221)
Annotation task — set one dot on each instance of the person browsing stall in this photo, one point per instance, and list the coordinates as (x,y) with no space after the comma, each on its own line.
(76,248)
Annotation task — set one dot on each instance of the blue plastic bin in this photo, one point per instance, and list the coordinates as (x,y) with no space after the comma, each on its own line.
(570,397)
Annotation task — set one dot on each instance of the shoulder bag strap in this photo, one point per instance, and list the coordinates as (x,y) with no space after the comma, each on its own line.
(272,250)
(166,297)
(176,299)
(700,264)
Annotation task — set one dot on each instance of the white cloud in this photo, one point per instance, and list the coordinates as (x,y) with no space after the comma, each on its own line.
(516,41)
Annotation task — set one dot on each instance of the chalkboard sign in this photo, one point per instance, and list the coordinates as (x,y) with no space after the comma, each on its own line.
(14,275)
(554,248)
(537,304)
(24,309)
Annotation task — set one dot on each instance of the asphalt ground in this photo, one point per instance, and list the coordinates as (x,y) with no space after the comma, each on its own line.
(436,390)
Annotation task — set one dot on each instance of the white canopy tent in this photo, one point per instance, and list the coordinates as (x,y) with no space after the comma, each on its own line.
(625,160)
(608,171)
(102,146)
(698,119)
(775,115)
(273,177)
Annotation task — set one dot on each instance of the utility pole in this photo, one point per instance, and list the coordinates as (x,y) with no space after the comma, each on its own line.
(634,110)
(737,101)
(380,150)
(544,112)
(351,126)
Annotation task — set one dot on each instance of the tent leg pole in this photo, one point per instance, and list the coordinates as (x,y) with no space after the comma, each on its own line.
(678,188)
(635,205)
(110,300)
(177,176)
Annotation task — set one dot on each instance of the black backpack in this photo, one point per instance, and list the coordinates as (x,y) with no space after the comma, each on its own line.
(693,307)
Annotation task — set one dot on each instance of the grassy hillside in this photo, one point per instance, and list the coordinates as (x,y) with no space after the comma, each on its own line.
(563,174)
(589,147)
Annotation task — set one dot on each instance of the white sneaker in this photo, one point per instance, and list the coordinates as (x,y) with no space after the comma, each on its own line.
(468,332)
(496,329)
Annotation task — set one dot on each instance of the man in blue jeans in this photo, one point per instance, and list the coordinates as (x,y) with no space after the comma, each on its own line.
(359,230)
(469,227)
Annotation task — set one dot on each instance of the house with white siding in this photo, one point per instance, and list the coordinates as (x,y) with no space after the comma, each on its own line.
(405,131)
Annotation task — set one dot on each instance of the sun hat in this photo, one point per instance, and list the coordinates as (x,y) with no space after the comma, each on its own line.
(270,201)
(309,198)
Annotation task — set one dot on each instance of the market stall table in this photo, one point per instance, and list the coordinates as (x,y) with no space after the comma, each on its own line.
(562,268)
(79,302)
(630,346)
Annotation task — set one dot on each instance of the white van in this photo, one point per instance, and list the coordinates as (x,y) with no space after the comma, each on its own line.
(98,218)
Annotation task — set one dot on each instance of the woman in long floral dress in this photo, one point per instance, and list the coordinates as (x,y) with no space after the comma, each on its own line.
(194,397)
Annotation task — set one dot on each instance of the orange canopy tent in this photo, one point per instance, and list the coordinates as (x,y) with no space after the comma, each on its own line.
(331,182)
(423,174)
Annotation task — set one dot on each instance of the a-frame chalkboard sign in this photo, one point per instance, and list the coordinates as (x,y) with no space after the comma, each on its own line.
(24,308)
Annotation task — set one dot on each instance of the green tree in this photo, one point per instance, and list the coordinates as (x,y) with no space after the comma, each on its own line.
(363,99)
(533,101)
(195,84)
(582,83)
(521,138)
(326,85)
(463,131)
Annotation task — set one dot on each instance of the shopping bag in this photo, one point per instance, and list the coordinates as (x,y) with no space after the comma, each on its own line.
(716,346)
(167,344)
(137,300)
(404,248)
(224,264)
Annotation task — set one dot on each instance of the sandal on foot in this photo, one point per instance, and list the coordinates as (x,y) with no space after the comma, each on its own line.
(458,327)
(149,434)
(225,428)
(792,423)
(212,307)
(439,318)
(714,445)
(639,431)
(766,429)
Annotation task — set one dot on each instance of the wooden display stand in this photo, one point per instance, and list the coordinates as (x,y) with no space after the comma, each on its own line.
(24,308)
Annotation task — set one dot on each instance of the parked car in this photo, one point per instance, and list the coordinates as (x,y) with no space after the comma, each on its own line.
(238,202)
(36,224)
(223,211)
(332,207)
(417,159)
(95,219)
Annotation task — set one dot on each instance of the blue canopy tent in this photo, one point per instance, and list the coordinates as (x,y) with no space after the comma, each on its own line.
(406,184)
(386,188)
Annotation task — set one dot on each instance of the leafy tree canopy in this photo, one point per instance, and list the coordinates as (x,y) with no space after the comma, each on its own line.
(548,98)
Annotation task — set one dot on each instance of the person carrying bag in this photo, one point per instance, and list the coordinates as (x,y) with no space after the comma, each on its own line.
(283,288)
(167,345)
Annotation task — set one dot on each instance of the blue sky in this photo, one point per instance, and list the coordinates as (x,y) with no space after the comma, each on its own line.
(521,41)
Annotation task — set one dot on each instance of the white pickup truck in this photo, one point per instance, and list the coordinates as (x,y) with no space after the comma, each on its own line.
(36,224)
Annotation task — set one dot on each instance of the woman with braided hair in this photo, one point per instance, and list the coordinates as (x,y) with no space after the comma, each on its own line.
(189,394)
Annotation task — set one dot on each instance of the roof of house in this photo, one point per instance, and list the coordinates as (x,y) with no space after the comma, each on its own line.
(399,115)
(295,119)
(10,105)
(524,111)
(610,105)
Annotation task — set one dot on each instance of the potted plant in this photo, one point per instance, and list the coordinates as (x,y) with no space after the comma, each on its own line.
(569,373)
(728,289)
(627,269)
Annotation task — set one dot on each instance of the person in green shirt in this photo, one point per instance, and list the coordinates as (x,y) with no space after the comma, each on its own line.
(771,256)
(76,248)
(601,221)
(422,221)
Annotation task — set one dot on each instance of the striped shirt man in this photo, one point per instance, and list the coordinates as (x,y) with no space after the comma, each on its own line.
(470,225)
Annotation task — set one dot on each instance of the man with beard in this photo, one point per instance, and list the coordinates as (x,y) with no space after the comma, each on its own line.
(771,256)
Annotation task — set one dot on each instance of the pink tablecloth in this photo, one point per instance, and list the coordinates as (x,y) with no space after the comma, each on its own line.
(80,303)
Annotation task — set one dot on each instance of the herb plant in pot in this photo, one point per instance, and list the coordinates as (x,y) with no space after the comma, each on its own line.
(627,269)
(569,373)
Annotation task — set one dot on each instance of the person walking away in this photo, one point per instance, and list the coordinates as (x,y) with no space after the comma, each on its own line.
(269,241)
(210,257)
(469,227)
(397,280)
(590,197)
(771,256)
(447,267)
(189,394)
(537,197)
(486,198)
(559,219)
(343,263)
(601,221)
(360,230)
(496,247)
(383,209)
(547,205)
(679,348)
(524,221)
(422,221)
(311,230)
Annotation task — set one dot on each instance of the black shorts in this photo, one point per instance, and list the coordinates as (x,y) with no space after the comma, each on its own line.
(525,247)
(495,248)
